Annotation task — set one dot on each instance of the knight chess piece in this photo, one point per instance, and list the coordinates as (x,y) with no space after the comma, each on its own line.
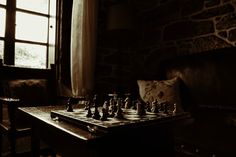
(127,102)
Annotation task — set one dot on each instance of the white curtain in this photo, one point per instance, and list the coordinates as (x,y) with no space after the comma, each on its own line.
(83,46)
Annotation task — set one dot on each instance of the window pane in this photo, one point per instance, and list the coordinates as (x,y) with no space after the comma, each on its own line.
(31,27)
(2,22)
(3,2)
(37,6)
(30,55)
(1,49)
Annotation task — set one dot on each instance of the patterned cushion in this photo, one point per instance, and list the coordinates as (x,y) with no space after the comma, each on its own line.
(162,91)
(29,91)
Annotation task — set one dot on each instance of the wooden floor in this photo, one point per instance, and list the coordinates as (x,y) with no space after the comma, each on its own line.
(22,147)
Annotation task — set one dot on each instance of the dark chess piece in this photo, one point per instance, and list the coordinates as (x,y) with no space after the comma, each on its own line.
(104,114)
(155,108)
(148,107)
(166,107)
(69,105)
(89,113)
(127,102)
(140,107)
(119,112)
(96,114)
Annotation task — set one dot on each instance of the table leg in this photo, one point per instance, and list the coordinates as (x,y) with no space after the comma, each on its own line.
(35,142)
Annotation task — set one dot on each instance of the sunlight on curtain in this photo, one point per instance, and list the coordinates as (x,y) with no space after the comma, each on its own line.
(83,46)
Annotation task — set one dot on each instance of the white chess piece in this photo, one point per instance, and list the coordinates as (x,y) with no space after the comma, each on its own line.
(175,108)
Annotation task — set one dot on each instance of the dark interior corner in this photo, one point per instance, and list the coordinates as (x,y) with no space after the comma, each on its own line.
(193,40)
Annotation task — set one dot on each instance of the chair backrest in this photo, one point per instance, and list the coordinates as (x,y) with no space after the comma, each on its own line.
(31,86)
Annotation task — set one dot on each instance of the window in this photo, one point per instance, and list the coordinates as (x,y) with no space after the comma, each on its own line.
(27,32)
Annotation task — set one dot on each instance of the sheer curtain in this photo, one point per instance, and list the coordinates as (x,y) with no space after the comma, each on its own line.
(83,46)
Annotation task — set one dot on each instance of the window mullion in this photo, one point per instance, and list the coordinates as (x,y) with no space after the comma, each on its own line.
(9,51)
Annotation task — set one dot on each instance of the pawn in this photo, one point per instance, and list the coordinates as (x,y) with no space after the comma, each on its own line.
(69,105)
(175,108)
(140,108)
(96,114)
(148,107)
(89,113)
(154,108)
(104,114)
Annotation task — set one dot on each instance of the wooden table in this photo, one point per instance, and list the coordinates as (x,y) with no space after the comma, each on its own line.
(69,140)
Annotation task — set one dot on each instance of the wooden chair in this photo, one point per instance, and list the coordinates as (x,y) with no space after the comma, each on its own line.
(15,125)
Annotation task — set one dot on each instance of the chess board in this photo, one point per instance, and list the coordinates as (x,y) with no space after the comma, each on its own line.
(130,119)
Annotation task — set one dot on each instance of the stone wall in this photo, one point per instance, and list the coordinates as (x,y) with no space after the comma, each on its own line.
(165,29)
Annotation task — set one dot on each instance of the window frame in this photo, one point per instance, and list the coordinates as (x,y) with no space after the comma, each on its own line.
(10,30)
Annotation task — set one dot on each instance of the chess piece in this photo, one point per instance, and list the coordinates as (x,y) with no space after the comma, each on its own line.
(119,112)
(96,114)
(69,105)
(154,108)
(140,107)
(127,102)
(166,105)
(89,113)
(148,106)
(175,108)
(104,114)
